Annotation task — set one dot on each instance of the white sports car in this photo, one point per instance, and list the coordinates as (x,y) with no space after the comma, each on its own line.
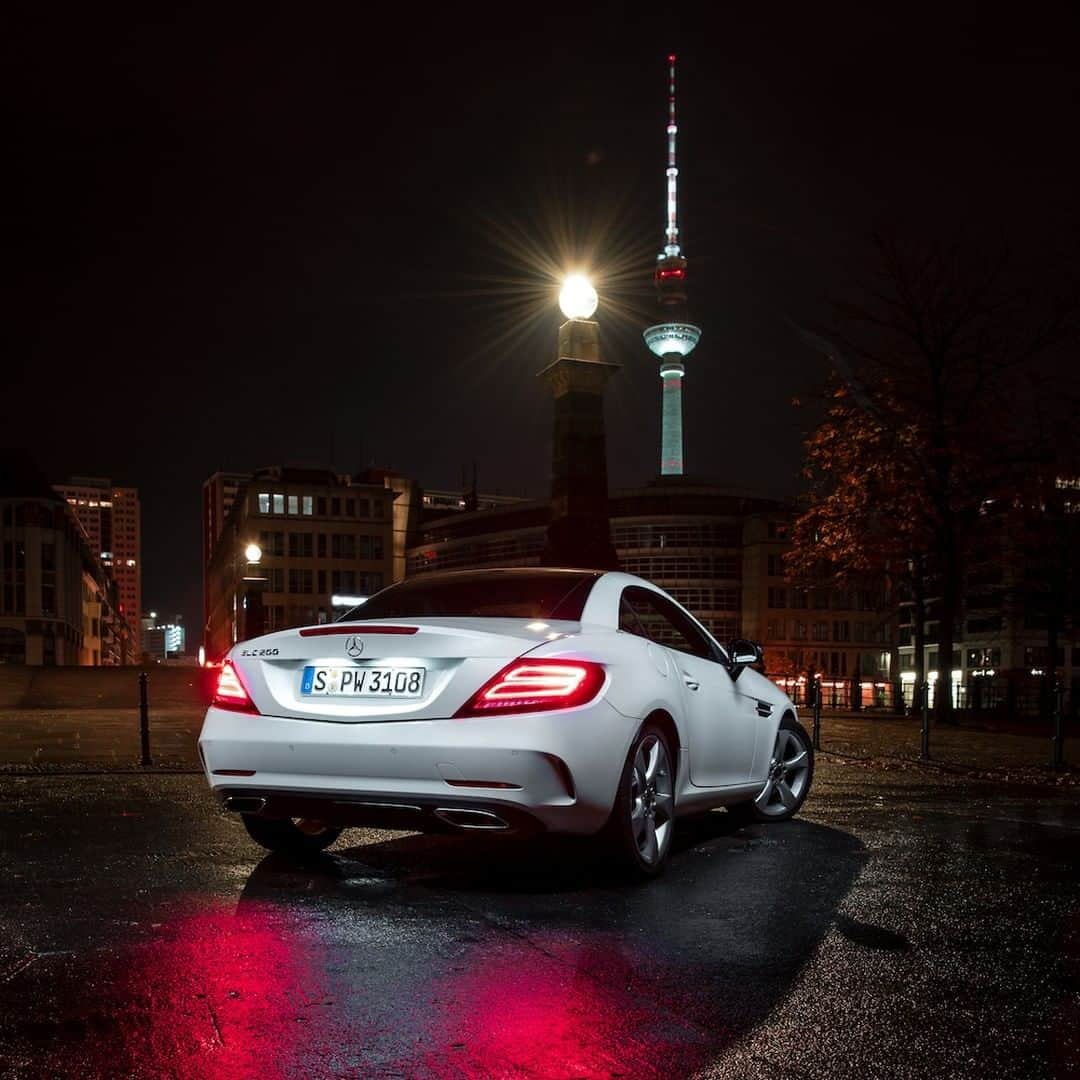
(572,701)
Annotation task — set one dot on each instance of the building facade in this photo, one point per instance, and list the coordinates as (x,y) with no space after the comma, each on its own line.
(505,535)
(93,617)
(1020,579)
(219,492)
(433,499)
(41,583)
(324,539)
(112,521)
(58,605)
(162,639)
(845,637)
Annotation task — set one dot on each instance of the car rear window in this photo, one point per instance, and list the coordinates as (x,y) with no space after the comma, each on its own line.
(525,595)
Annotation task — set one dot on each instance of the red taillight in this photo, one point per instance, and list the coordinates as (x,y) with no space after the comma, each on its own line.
(230,693)
(536,686)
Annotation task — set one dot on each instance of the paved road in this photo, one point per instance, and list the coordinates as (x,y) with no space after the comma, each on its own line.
(907,925)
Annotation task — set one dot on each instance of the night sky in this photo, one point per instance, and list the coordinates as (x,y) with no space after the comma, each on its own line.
(240,239)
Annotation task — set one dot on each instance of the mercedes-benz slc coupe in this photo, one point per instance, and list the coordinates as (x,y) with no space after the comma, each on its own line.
(518,700)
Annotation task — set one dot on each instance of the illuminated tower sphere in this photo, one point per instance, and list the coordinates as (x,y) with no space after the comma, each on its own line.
(675,337)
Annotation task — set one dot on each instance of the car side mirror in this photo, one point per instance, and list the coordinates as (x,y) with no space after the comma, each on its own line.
(743,653)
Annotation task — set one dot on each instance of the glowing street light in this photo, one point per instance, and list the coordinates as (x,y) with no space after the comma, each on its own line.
(253,553)
(577,298)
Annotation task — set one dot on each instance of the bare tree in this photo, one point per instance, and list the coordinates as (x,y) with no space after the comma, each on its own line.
(933,367)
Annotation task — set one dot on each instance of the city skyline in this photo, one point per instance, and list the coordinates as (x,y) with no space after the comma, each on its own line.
(301,266)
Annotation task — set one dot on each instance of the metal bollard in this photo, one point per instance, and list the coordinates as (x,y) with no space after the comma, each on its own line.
(925,754)
(817,719)
(144,719)
(1057,759)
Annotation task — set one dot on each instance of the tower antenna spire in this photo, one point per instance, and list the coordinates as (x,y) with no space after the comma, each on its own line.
(673,338)
(672,235)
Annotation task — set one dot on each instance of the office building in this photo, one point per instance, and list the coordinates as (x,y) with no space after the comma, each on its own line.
(219,492)
(1020,579)
(111,519)
(58,605)
(322,538)
(162,638)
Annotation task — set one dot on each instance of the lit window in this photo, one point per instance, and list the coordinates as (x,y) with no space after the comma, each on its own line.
(279,504)
(264,502)
(131,562)
(294,504)
(308,509)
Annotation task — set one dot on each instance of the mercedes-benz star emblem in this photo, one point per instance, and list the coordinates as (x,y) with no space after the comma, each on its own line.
(354,646)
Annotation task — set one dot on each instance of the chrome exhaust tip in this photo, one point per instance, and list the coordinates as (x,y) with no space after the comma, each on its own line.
(245,804)
(471,819)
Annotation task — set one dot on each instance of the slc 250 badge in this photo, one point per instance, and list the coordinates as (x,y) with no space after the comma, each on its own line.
(258,652)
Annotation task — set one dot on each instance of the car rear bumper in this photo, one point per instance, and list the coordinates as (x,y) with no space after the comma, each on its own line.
(373,810)
(552,771)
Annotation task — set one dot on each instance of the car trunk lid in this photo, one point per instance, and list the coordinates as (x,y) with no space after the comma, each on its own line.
(287,673)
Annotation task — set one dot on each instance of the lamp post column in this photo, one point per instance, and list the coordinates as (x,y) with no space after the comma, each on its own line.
(579,533)
(252,602)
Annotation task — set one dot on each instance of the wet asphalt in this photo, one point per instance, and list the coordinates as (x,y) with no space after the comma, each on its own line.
(908,924)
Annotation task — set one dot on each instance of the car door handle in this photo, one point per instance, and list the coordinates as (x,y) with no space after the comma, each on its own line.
(692,683)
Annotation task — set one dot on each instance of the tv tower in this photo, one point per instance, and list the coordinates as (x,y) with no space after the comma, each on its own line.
(675,337)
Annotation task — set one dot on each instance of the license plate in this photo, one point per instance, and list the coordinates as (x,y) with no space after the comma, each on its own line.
(366,682)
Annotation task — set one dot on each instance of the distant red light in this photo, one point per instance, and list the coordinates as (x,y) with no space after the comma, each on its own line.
(671,273)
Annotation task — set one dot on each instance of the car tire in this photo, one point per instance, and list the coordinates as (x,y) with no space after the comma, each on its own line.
(639,831)
(289,836)
(791,772)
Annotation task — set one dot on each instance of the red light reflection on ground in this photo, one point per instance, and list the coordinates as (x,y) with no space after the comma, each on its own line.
(560,1009)
(217,995)
(223,995)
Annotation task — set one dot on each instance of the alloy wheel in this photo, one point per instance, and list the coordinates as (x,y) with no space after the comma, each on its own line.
(651,800)
(789,771)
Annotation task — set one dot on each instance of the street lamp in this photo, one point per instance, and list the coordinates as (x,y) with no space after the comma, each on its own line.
(577,298)
(579,532)
(253,589)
